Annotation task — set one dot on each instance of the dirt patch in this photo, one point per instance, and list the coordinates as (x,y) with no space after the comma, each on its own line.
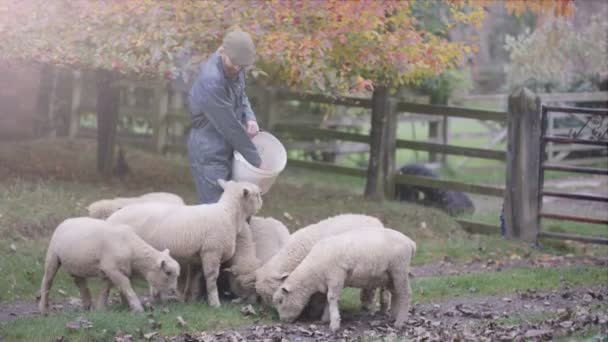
(477,265)
(566,311)
(525,315)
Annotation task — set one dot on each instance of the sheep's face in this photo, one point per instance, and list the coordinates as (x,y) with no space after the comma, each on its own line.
(103,209)
(266,286)
(243,286)
(249,195)
(164,275)
(289,303)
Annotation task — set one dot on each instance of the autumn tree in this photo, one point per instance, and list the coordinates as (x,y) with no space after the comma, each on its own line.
(319,45)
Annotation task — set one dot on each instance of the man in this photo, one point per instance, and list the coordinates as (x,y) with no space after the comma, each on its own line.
(222,118)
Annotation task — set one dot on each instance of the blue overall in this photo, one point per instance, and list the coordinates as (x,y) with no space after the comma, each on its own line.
(220,109)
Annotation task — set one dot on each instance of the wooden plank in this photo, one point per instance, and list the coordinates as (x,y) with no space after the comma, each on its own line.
(450,185)
(583,197)
(597,96)
(322,98)
(576,169)
(327,167)
(450,149)
(475,227)
(574,218)
(319,133)
(573,237)
(327,134)
(562,140)
(452,111)
(581,110)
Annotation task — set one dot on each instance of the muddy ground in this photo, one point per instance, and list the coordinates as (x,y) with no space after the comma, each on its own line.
(558,313)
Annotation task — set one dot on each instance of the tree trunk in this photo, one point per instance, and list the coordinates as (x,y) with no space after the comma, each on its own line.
(374,187)
(108,100)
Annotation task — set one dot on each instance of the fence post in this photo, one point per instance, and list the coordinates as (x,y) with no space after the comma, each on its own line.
(390,144)
(75,110)
(374,186)
(523,163)
(160,127)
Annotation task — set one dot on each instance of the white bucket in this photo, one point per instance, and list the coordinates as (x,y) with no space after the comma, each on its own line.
(274,159)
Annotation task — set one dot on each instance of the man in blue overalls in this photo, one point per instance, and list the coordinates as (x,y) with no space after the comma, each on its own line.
(222,118)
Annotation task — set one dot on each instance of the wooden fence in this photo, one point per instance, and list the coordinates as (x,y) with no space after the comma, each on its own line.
(165,108)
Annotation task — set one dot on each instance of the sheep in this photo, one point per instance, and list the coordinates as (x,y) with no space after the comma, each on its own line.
(268,277)
(205,232)
(361,259)
(88,247)
(254,246)
(269,236)
(102,209)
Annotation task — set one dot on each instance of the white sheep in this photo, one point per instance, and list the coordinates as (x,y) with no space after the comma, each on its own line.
(102,209)
(268,277)
(205,233)
(88,247)
(255,244)
(361,259)
(269,236)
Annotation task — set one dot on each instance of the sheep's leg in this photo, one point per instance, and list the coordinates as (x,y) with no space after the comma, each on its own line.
(195,283)
(104,293)
(183,283)
(50,270)
(400,299)
(124,284)
(367,299)
(211,270)
(385,300)
(325,316)
(334,291)
(85,293)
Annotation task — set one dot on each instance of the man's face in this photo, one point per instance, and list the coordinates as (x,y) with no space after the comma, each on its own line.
(231,69)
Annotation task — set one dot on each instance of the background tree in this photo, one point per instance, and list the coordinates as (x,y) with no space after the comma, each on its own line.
(331,46)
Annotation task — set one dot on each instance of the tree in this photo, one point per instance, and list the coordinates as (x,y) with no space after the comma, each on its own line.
(324,45)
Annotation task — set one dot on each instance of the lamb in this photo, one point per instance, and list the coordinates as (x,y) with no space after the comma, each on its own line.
(205,232)
(268,277)
(88,247)
(269,236)
(254,246)
(361,259)
(102,209)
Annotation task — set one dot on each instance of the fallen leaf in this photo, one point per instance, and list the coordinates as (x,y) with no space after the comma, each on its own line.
(566,324)
(13,247)
(149,336)
(61,292)
(180,322)
(537,333)
(80,323)
(288,216)
(248,310)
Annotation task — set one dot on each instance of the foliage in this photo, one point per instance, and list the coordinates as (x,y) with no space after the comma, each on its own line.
(556,56)
(324,45)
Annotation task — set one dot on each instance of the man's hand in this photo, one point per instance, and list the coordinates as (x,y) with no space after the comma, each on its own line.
(252,128)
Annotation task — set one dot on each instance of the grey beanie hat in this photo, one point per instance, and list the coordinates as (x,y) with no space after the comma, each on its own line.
(239,47)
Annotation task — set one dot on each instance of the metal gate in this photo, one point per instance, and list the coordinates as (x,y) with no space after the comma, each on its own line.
(594,131)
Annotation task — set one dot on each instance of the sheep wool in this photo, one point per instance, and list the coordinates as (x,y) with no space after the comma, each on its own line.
(203,234)
(102,209)
(361,259)
(268,277)
(88,247)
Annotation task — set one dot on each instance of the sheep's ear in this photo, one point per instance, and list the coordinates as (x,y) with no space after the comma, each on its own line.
(285,289)
(284,276)
(222,183)
(166,252)
(245,193)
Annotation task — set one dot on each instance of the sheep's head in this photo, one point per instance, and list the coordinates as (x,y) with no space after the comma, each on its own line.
(265,286)
(289,302)
(163,276)
(242,284)
(248,195)
(103,209)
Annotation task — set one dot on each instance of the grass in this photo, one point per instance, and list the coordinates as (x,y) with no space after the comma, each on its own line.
(45,182)
(106,324)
